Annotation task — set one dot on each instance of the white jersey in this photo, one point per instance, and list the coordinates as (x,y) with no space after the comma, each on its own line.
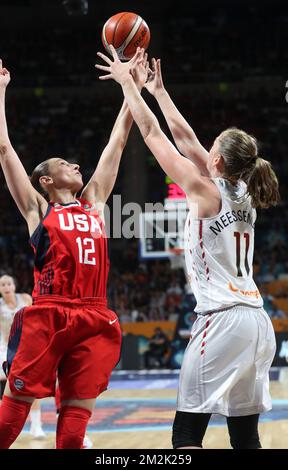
(6,319)
(219,252)
(7,315)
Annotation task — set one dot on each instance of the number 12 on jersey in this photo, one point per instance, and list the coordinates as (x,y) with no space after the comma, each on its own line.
(246,240)
(86,247)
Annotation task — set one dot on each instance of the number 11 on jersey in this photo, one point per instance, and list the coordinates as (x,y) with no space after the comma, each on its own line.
(246,236)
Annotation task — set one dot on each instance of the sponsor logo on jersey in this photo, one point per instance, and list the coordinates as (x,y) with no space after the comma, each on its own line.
(19,384)
(112,321)
(92,208)
(246,293)
(58,208)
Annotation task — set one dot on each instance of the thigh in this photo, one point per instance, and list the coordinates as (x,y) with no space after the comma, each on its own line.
(218,356)
(7,392)
(38,336)
(189,429)
(87,404)
(2,387)
(85,370)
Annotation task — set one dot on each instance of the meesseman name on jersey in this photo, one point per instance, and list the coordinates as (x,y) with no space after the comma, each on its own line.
(229,218)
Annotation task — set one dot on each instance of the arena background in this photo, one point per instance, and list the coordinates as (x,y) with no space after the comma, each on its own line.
(224,64)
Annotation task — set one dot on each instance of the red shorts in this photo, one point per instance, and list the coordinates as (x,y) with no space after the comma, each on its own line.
(77,341)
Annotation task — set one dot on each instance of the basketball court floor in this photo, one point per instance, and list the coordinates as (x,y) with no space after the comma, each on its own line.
(138,409)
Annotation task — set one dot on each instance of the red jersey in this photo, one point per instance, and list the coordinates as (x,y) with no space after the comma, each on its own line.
(70,247)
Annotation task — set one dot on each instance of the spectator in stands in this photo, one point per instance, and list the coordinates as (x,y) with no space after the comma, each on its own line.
(159,348)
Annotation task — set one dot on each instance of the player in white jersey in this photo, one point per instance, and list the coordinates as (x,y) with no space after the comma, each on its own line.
(10,303)
(226,364)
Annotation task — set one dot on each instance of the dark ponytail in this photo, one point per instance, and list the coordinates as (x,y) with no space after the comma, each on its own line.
(41,170)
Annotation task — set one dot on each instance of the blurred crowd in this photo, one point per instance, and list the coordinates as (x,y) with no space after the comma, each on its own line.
(232,84)
(230,46)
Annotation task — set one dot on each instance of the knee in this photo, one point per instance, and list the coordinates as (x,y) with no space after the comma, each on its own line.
(189,429)
(243,431)
(71,427)
(248,442)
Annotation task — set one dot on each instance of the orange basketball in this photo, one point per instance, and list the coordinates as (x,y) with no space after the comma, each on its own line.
(125,31)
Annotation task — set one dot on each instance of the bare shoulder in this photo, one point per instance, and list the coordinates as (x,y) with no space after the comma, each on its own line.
(202,186)
(204,198)
(26,298)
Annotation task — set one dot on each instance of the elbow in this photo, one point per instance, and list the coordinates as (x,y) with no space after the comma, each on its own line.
(122,144)
(3,149)
(149,129)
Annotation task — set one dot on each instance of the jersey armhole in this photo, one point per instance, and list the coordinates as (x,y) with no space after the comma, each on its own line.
(33,240)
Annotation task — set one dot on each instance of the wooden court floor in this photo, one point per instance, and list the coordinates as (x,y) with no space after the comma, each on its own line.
(273,434)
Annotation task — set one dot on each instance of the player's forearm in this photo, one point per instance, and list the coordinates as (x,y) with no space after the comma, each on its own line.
(122,126)
(4,137)
(179,127)
(124,121)
(142,115)
(184,136)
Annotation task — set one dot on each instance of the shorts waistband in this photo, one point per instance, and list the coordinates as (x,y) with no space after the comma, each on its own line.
(69,301)
(229,307)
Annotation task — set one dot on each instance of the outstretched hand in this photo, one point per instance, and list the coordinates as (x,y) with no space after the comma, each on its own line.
(121,71)
(154,82)
(139,70)
(4,76)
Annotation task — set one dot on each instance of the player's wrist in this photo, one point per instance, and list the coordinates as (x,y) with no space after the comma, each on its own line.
(126,81)
(160,93)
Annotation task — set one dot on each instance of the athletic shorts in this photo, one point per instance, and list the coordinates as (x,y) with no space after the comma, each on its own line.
(76,340)
(226,364)
(3,355)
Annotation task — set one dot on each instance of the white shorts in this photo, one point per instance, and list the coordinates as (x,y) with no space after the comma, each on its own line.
(3,357)
(226,364)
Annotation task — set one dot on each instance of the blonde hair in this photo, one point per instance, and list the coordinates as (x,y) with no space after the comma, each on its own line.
(241,162)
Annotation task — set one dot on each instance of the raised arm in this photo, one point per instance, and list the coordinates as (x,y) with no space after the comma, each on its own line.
(30,203)
(180,169)
(102,182)
(183,134)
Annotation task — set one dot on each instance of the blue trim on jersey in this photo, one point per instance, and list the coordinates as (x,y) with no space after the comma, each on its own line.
(73,203)
(14,340)
(41,241)
(34,239)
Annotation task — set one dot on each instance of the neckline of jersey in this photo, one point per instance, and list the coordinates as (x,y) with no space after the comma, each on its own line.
(77,203)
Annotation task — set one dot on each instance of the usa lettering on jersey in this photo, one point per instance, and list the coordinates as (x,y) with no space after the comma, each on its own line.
(80,222)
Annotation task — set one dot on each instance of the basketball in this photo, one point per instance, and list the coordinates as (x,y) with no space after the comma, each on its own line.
(125,31)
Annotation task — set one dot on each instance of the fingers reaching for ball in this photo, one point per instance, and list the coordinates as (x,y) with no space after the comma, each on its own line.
(118,70)
(4,76)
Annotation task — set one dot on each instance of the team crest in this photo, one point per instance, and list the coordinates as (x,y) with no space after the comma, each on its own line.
(19,384)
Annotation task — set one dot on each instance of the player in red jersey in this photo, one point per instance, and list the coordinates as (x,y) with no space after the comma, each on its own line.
(68,331)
